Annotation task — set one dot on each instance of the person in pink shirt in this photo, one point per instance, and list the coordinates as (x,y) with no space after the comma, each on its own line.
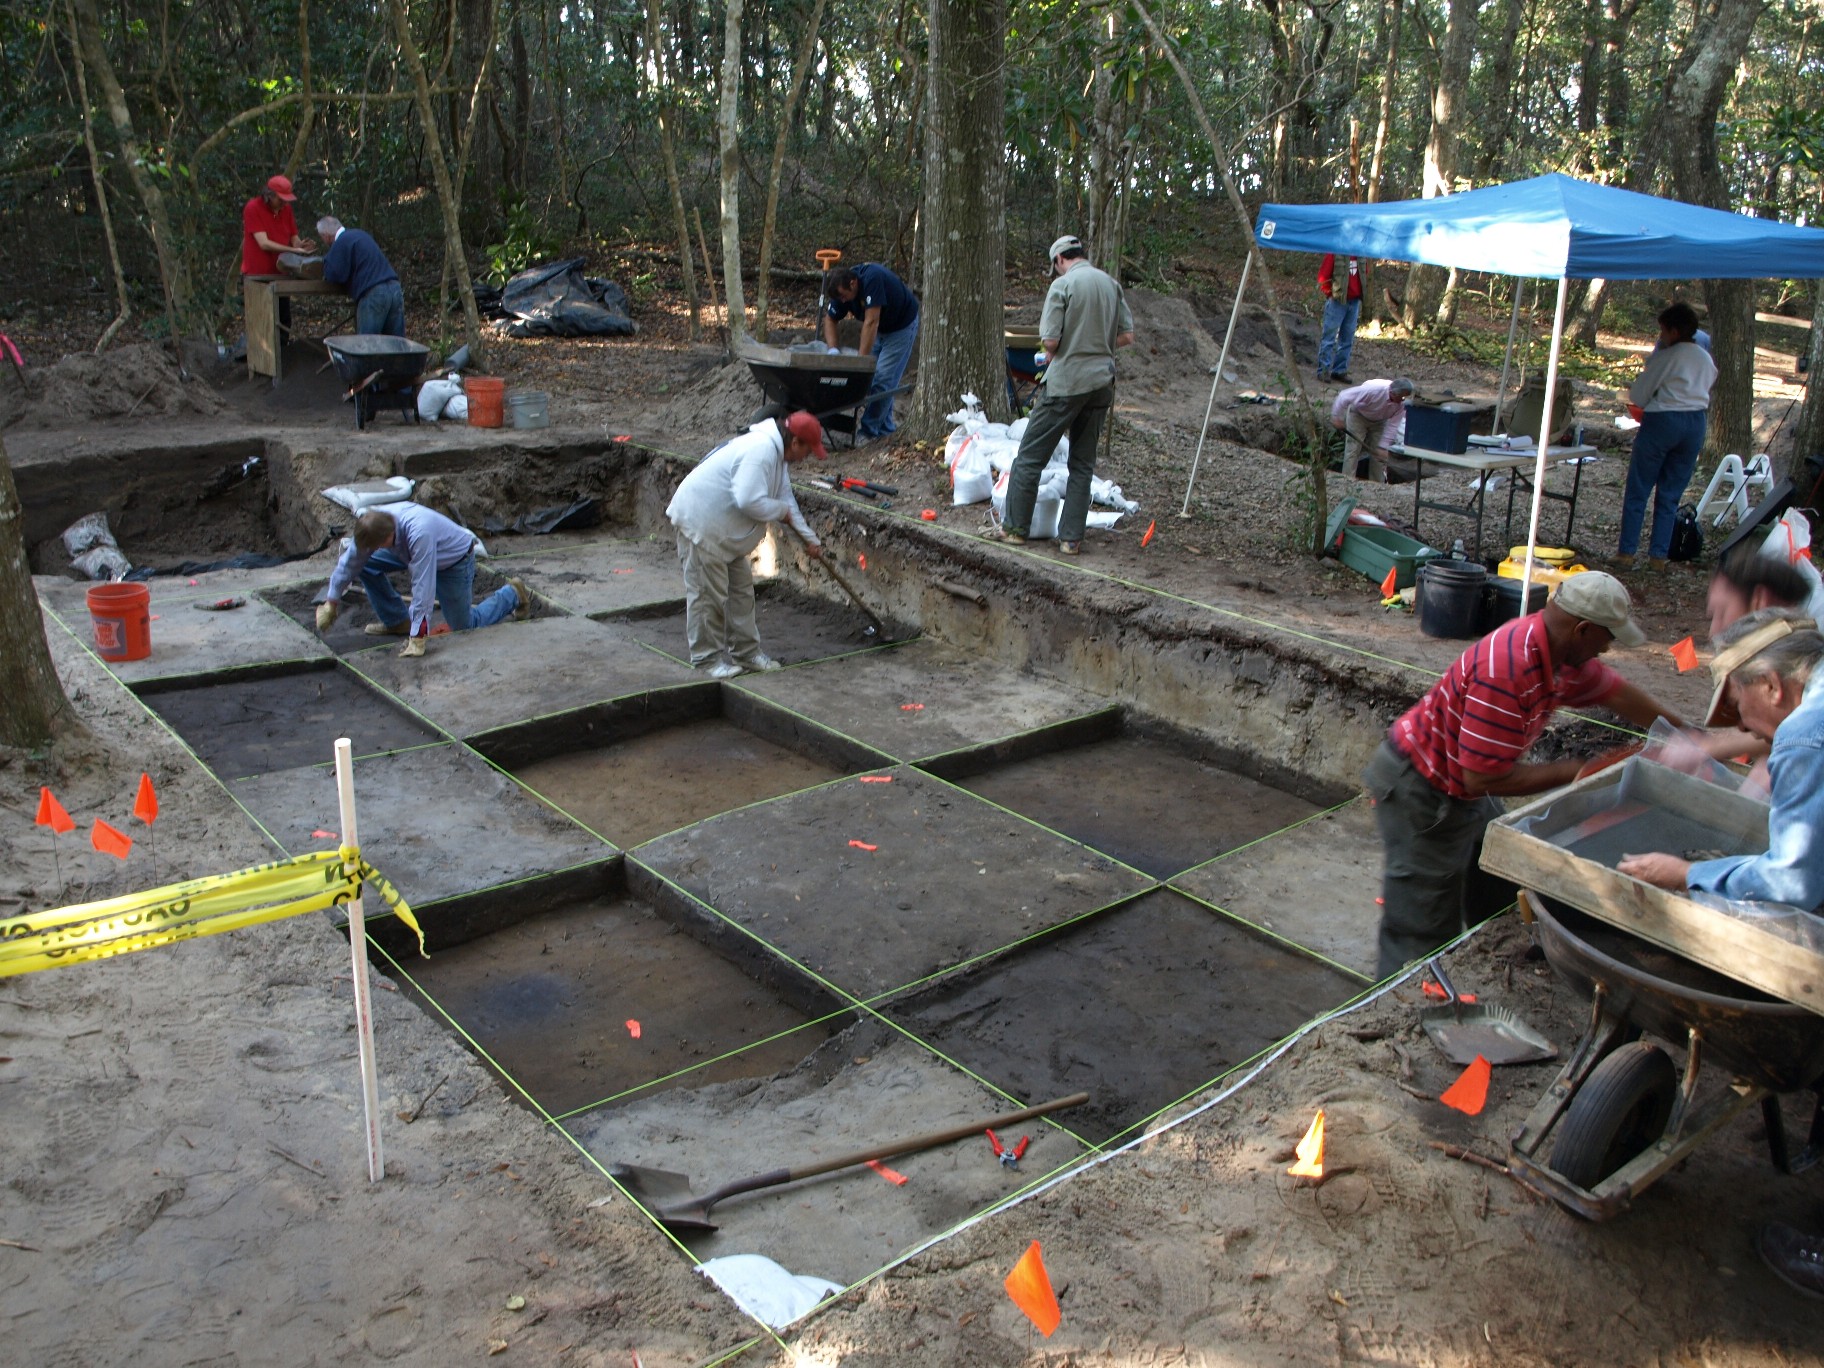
(1372,417)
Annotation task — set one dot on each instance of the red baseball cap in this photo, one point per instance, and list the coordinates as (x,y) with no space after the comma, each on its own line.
(807,430)
(281,186)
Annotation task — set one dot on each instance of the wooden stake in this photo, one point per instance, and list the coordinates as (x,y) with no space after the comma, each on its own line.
(357,943)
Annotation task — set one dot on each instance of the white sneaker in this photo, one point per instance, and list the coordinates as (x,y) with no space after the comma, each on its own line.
(761,663)
(721,669)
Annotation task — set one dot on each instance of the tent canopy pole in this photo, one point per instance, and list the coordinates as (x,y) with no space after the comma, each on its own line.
(1507,357)
(1545,433)
(1222,363)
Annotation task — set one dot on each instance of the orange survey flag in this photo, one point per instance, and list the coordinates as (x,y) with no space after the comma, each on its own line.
(1149,532)
(1311,1150)
(52,814)
(1684,655)
(1470,1092)
(109,841)
(145,803)
(1391,585)
(1030,1287)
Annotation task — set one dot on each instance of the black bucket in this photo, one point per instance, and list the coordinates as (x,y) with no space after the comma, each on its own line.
(1504,603)
(1449,601)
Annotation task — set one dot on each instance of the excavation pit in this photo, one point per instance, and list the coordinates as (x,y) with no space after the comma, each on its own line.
(672,758)
(794,627)
(1140,1006)
(1149,800)
(599,998)
(283,717)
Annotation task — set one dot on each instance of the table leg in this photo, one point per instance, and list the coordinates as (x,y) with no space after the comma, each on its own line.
(1418,489)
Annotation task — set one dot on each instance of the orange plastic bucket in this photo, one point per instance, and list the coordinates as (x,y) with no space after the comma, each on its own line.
(487,400)
(122,618)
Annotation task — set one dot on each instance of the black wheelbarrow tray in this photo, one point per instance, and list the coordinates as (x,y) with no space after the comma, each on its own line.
(1625,1114)
(833,389)
(381,372)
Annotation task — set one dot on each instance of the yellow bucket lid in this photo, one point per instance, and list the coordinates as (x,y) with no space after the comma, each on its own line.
(1550,555)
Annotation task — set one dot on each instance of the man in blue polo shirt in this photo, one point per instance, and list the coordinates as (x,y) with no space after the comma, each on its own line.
(889,326)
(356,263)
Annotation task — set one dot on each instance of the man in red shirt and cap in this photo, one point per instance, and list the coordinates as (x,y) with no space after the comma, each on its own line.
(268,228)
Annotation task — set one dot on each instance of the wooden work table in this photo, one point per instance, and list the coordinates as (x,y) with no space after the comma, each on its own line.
(260,296)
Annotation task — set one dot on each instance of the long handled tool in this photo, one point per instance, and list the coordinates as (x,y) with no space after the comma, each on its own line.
(667,1195)
(875,626)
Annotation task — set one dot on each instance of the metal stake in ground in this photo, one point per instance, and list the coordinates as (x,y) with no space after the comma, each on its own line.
(357,944)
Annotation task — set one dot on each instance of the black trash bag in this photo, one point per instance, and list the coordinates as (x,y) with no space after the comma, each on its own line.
(560,301)
(251,560)
(576,517)
(1687,535)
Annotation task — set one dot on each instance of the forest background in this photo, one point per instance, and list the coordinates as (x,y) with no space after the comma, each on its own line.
(474,137)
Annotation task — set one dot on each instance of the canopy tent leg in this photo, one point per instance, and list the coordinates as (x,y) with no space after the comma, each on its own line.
(1507,357)
(1247,264)
(1545,433)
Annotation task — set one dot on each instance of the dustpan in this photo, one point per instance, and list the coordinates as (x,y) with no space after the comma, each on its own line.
(1464,1030)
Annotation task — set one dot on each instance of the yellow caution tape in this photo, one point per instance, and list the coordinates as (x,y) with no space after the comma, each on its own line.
(197,907)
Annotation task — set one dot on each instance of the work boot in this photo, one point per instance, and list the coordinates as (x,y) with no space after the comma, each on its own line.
(1656,562)
(1071,548)
(761,663)
(523,609)
(1006,534)
(1623,562)
(720,669)
(387,628)
(1797,1259)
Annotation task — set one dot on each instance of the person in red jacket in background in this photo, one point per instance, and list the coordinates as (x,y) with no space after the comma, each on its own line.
(1340,318)
(268,227)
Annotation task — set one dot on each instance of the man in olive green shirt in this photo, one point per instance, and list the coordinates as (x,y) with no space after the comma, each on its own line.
(1085,319)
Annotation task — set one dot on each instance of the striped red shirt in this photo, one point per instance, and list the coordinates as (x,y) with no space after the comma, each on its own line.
(1492,704)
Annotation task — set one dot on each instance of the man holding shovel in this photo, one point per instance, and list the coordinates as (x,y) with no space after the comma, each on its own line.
(1372,416)
(721,511)
(1435,776)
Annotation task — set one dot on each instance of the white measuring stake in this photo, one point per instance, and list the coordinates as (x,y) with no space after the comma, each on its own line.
(357,944)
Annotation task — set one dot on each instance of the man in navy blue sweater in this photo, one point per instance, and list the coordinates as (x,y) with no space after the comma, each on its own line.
(356,263)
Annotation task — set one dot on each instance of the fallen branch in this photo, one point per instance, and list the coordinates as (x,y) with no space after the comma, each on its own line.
(1469,1156)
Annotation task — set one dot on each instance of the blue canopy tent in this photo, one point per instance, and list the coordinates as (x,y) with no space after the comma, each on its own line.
(1549,227)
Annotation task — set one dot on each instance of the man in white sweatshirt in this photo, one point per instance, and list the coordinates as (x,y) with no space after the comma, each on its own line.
(721,511)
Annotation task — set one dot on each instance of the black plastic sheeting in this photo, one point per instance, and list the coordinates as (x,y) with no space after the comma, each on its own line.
(251,560)
(559,301)
(576,517)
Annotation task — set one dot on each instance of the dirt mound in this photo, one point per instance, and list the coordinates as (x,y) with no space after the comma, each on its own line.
(719,404)
(139,381)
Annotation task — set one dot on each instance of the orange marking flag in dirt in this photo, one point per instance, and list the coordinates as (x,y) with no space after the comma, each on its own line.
(1030,1287)
(1391,585)
(862,560)
(911,707)
(633,1028)
(52,814)
(1684,655)
(1469,1094)
(863,845)
(1149,532)
(145,803)
(876,778)
(892,1176)
(1311,1150)
(109,841)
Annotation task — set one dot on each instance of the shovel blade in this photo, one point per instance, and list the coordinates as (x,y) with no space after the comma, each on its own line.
(667,1196)
(1495,1033)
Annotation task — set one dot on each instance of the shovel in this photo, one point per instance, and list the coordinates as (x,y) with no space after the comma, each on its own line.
(876,628)
(668,1198)
(1462,1032)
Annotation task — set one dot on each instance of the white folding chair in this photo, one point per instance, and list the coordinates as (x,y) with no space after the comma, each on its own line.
(1729,488)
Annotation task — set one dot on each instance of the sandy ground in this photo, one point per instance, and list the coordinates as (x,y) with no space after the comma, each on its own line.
(183,1176)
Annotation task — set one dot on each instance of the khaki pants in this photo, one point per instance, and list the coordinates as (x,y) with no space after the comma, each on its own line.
(1364,437)
(718,605)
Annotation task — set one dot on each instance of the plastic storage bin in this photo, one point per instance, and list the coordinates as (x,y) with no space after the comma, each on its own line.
(1441,427)
(1376,550)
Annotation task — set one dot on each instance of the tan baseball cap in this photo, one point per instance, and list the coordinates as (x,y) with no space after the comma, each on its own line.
(1069,242)
(1603,600)
(1727,661)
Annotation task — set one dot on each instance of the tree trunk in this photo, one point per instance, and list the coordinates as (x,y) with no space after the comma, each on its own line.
(1426,298)
(447,197)
(101,195)
(659,59)
(1390,75)
(309,114)
(34,710)
(960,346)
(170,265)
(1688,139)
(728,132)
(801,69)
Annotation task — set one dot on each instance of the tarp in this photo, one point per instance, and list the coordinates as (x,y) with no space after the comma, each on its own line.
(1552,227)
(559,301)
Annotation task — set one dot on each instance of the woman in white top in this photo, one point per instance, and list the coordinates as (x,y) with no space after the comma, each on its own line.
(1672,401)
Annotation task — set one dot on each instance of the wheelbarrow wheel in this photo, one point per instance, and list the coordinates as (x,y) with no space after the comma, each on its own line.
(1621,1109)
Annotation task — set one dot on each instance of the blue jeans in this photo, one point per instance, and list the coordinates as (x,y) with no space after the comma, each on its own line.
(1660,466)
(381,311)
(891,352)
(455,590)
(1338,343)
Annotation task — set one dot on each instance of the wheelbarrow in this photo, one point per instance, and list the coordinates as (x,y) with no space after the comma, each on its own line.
(381,372)
(834,389)
(1024,373)
(1624,1112)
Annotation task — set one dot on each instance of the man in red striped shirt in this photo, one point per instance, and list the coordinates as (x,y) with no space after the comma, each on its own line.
(1434,779)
